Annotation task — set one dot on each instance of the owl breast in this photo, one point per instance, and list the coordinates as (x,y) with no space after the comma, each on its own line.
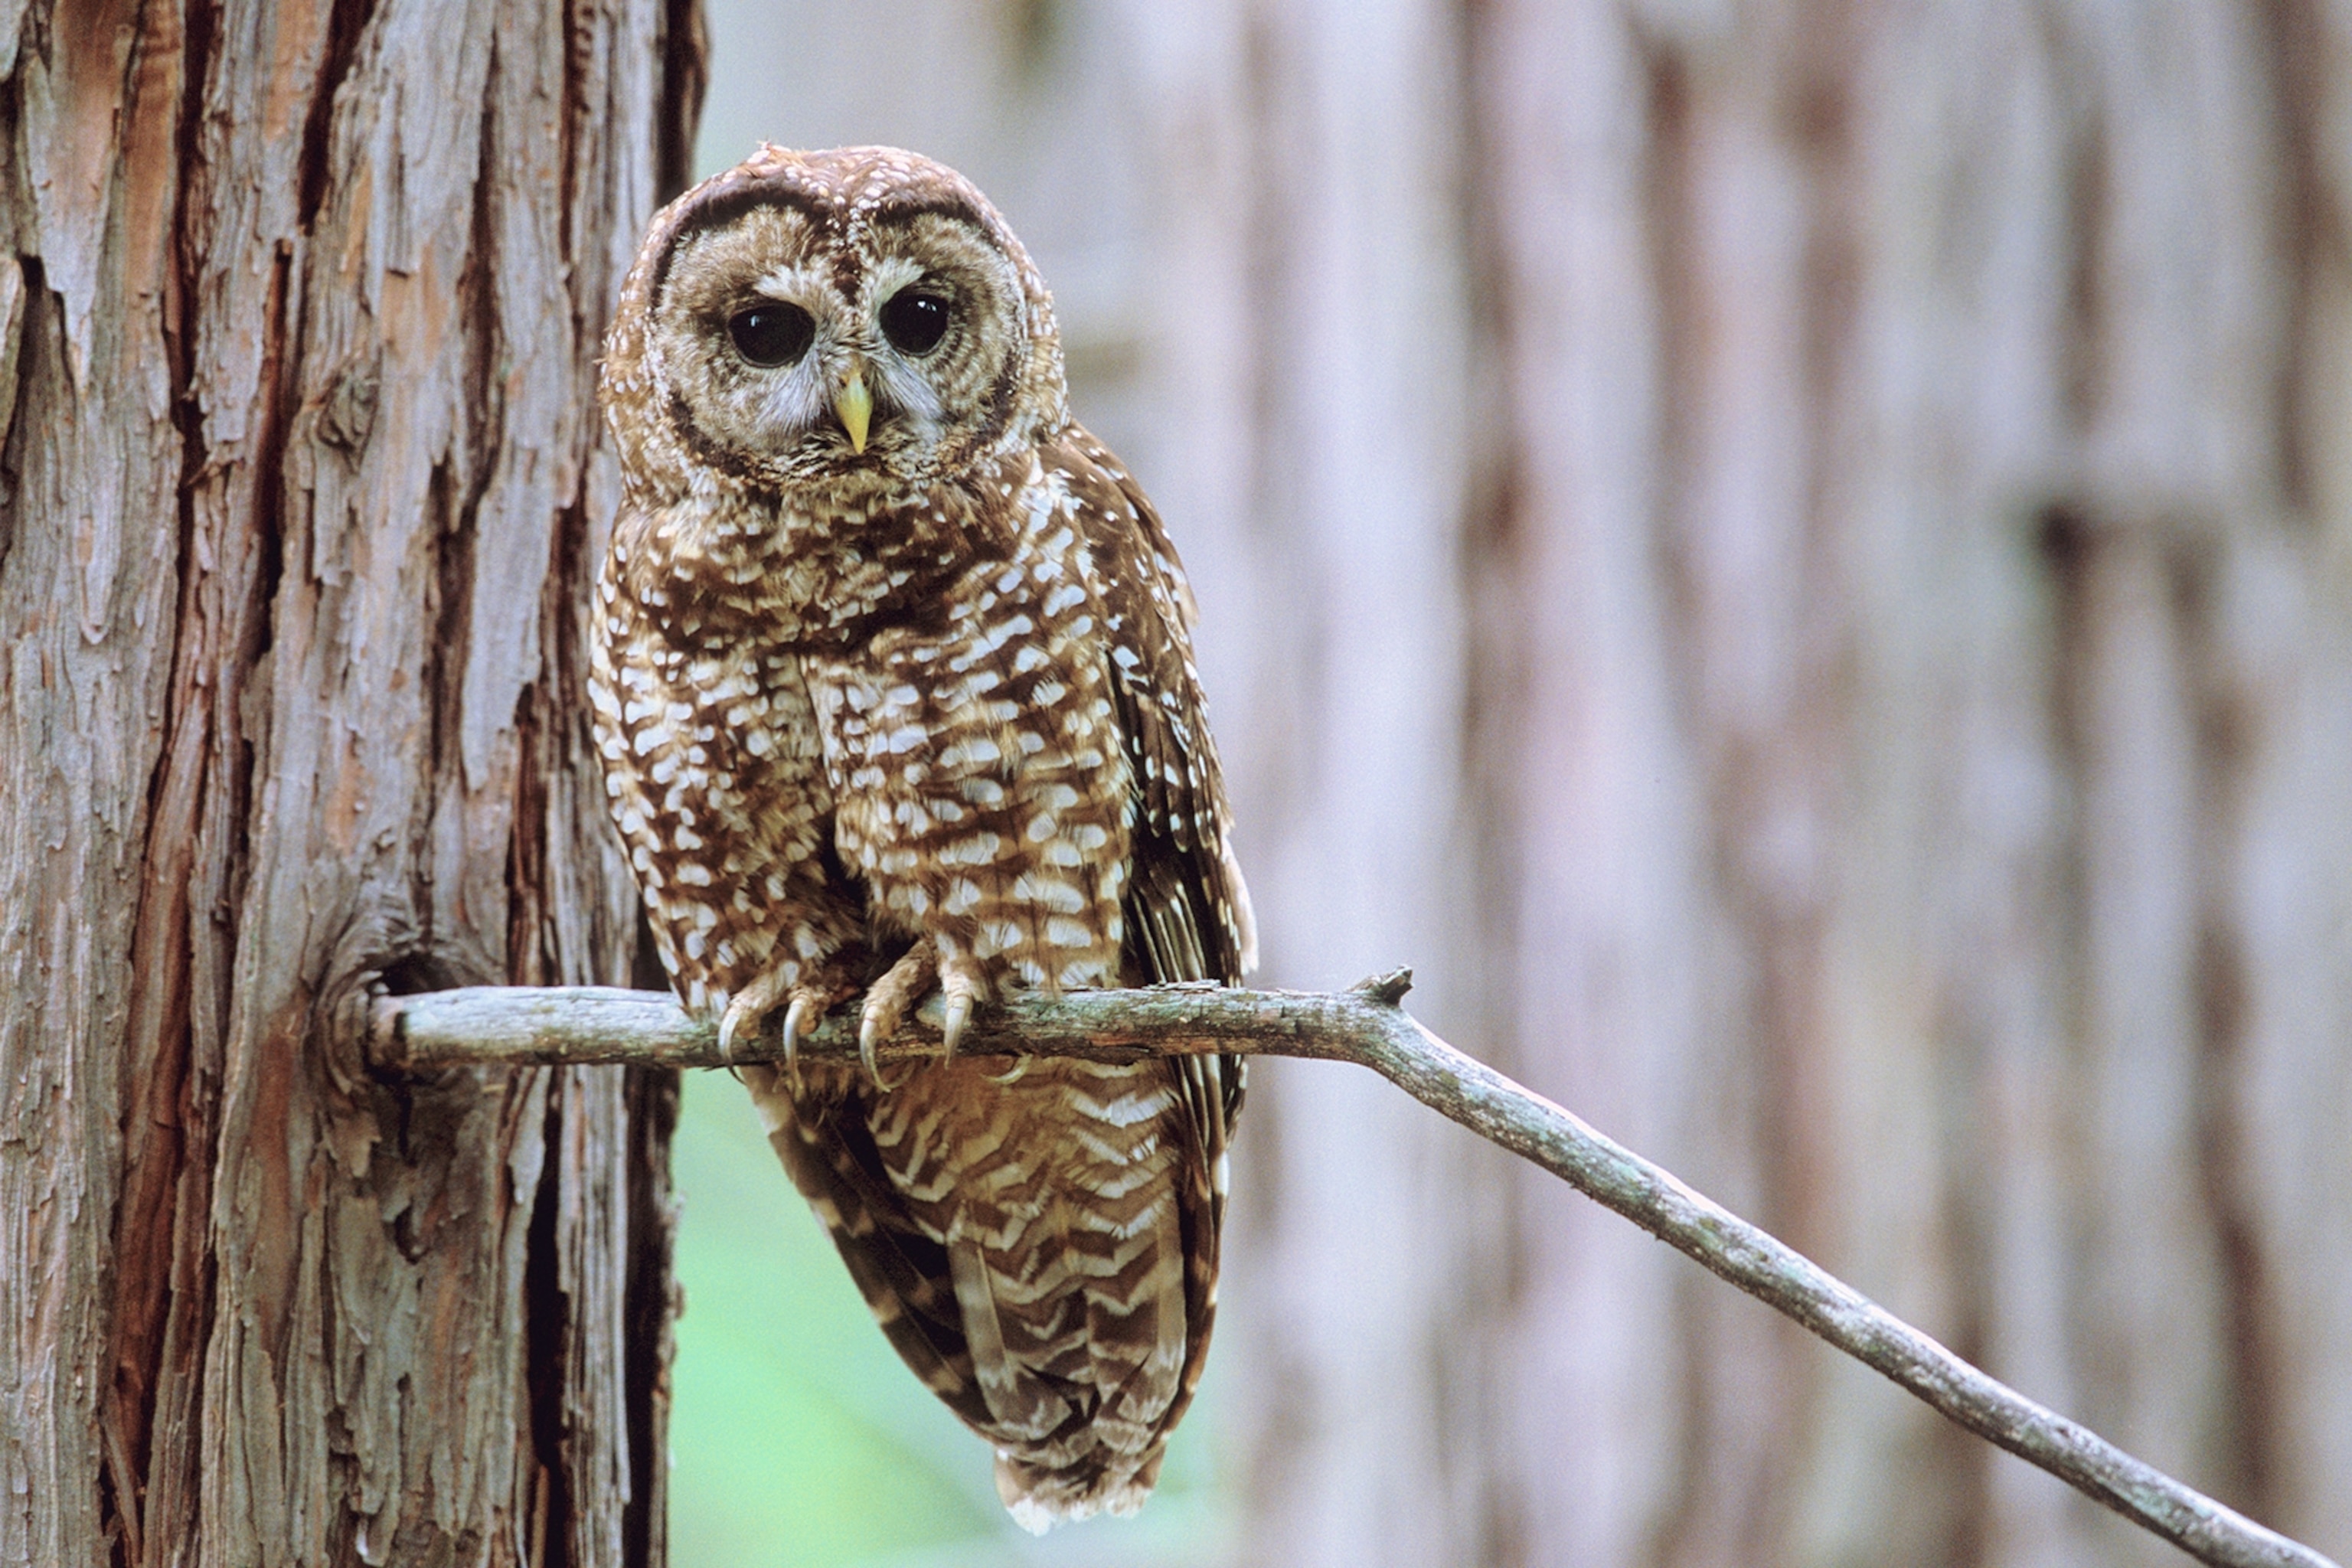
(894,694)
(981,780)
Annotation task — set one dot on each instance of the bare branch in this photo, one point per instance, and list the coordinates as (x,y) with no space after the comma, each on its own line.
(491,1026)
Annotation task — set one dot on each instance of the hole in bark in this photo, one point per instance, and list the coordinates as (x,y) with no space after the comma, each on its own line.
(417,973)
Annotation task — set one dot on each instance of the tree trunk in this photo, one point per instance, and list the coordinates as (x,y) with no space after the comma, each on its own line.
(1867,725)
(301,496)
(1791,557)
(1916,558)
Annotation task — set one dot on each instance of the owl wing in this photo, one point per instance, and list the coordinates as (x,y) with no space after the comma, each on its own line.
(1188,911)
(1191,911)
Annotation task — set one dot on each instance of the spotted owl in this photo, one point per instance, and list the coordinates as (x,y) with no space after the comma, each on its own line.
(894,691)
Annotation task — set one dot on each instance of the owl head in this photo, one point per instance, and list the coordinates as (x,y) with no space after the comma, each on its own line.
(858,319)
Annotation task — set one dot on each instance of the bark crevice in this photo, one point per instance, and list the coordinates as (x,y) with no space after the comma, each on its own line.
(268,356)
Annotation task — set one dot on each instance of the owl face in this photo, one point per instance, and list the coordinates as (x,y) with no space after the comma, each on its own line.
(855,315)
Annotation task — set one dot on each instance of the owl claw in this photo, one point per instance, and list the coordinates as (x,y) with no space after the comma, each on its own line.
(961,984)
(744,1011)
(797,1023)
(887,1002)
(748,1010)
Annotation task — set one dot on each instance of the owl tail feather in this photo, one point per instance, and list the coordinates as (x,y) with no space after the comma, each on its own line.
(1039,1498)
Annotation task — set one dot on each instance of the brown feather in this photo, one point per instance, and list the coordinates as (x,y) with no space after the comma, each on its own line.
(932,696)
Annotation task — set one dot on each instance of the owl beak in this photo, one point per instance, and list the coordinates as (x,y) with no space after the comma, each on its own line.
(855,407)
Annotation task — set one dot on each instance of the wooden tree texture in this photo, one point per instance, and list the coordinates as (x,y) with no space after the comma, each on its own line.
(300,304)
(1792,557)
(1994,631)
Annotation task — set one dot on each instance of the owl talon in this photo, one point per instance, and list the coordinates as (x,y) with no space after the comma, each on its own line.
(797,1023)
(887,1002)
(870,1036)
(744,1011)
(961,984)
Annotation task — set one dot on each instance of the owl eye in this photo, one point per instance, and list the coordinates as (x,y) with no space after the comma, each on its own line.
(915,322)
(771,335)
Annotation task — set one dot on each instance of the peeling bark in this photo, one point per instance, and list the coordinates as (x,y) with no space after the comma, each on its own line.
(301,490)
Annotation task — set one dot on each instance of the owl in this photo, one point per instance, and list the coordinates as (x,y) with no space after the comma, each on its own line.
(894,691)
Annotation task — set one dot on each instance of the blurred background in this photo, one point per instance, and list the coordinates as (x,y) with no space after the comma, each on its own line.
(1794,559)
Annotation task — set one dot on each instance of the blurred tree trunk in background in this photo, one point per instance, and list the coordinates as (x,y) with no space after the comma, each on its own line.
(1797,559)
(1913,655)
(297,322)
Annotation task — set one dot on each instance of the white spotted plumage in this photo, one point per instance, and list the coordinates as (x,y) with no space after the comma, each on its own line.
(910,703)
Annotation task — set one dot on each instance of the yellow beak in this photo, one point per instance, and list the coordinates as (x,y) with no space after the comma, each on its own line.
(855,407)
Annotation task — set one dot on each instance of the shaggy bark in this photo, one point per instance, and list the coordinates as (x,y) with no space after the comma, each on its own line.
(298,316)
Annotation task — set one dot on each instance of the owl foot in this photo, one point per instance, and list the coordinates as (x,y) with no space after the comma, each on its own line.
(749,1009)
(961,983)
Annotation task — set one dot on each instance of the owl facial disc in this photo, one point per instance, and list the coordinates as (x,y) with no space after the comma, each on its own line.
(842,319)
